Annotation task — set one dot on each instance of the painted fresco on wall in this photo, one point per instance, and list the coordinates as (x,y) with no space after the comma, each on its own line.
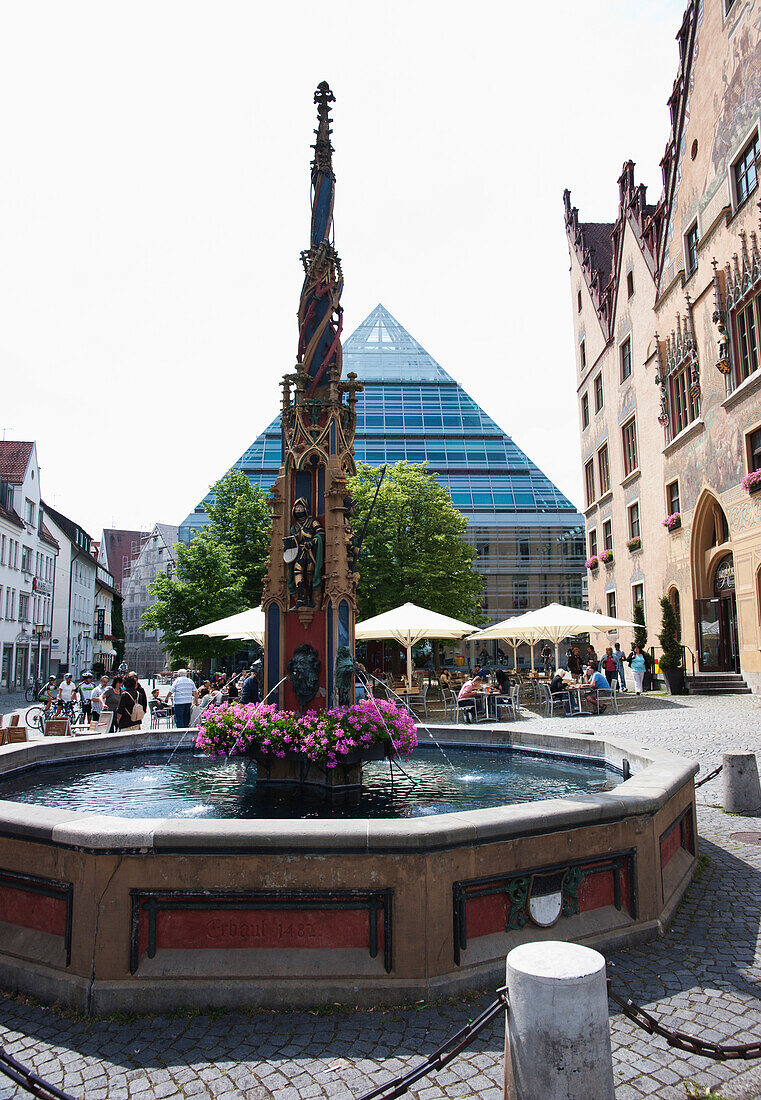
(737,100)
(717,449)
(736,104)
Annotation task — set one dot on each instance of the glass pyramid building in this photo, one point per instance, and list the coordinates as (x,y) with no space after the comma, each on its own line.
(528,535)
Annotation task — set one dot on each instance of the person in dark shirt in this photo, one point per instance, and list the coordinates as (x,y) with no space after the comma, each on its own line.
(250,690)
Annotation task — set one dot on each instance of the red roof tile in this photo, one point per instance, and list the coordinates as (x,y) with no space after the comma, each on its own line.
(14,459)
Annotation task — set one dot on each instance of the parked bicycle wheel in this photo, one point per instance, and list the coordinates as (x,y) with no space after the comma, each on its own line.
(29,694)
(35,718)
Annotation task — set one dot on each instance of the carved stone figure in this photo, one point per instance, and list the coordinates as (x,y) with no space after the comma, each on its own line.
(345,669)
(304,673)
(305,571)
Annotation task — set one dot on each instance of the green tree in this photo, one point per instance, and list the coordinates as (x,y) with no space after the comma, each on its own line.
(671,656)
(240,523)
(206,588)
(413,550)
(640,631)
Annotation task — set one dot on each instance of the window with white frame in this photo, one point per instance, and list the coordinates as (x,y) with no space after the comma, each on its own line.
(684,406)
(691,250)
(745,170)
(599,396)
(603,465)
(633,514)
(610,598)
(23,607)
(589,481)
(607,535)
(626,358)
(592,537)
(638,595)
(747,324)
(585,410)
(629,440)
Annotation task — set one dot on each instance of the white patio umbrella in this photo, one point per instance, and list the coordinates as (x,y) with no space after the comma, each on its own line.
(513,631)
(407,625)
(553,622)
(246,624)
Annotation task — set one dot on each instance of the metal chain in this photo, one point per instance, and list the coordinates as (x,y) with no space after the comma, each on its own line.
(28,1080)
(443,1055)
(711,775)
(722,1052)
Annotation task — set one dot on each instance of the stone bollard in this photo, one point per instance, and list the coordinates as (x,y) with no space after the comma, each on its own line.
(557,1040)
(742,793)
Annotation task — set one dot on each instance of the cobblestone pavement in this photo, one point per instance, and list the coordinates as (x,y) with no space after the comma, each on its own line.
(14,701)
(704,977)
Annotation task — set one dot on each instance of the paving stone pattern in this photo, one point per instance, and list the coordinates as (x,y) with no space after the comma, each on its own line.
(703,977)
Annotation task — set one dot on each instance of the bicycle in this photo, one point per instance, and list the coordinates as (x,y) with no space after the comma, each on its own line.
(38,716)
(33,694)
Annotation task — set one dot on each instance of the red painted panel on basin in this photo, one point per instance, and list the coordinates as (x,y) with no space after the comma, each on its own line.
(33,911)
(597,889)
(671,842)
(245,928)
(486,915)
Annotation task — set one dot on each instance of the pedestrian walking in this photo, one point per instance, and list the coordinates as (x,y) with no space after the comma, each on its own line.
(184,694)
(130,714)
(638,666)
(250,690)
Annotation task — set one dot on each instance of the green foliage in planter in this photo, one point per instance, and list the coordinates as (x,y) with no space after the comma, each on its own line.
(640,631)
(671,656)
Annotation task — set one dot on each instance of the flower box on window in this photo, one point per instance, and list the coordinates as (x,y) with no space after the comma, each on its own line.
(592,563)
(672,522)
(634,544)
(751,483)
(607,557)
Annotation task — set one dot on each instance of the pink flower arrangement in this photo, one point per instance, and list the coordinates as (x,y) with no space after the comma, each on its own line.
(606,556)
(673,521)
(592,563)
(236,730)
(635,543)
(751,481)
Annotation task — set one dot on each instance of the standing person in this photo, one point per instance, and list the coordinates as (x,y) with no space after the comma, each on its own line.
(184,694)
(122,670)
(127,702)
(609,666)
(638,666)
(250,690)
(66,693)
(620,657)
(98,697)
(574,662)
(233,690)
(142,698)
(111,698)
(592,658)
(85,689)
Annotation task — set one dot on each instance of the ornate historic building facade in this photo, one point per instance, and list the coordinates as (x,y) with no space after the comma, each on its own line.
(667,326)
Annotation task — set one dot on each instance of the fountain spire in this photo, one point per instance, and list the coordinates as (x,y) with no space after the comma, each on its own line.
(320,314)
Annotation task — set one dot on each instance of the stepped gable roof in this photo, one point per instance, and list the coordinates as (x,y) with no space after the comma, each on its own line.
(68,526)
(14,459)
(119,544)
(648,221)
(411,409)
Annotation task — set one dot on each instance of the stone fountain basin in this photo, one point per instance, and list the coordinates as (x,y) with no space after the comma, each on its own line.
(105,913)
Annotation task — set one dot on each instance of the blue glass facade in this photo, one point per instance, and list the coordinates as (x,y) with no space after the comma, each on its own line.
(410,408)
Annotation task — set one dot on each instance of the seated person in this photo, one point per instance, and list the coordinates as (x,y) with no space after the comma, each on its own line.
(503,681)
(156,703)
(445,678)
(465,697)
(559,686)
(597,684)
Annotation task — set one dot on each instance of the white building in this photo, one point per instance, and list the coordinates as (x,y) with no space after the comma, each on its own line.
(74,604)
(103,638)
(27,569)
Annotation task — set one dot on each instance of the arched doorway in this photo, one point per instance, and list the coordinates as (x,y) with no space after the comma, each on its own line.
(714,586)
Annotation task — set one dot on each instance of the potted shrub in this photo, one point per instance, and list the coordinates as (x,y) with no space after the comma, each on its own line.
(607,557)
(672,522)
(640,639)
(671,655)
(634,544)
(751,483)
(592,563)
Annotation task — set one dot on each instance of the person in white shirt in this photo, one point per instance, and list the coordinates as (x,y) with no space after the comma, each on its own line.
(184,694)
(97,698)
(66,692)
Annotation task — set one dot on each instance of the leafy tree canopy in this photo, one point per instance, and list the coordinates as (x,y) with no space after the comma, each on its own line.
(240,523)
(413,550)
(219,573)
(206,589)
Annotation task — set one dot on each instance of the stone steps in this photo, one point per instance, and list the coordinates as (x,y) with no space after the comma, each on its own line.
(717,683)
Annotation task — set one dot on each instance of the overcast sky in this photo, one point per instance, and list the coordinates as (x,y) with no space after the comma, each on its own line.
(154,198)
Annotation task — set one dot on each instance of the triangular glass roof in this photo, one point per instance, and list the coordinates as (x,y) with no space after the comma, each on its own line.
(411,409)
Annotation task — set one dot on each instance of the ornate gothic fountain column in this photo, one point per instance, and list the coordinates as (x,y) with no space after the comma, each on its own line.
(309,592)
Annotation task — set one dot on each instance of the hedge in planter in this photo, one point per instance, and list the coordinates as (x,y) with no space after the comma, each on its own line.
(671,656)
